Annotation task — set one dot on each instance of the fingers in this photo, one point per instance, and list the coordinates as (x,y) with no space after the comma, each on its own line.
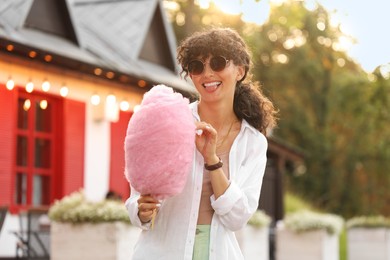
(146,206)
(205,128)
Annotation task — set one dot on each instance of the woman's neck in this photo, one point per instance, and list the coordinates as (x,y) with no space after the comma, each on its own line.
(216,114)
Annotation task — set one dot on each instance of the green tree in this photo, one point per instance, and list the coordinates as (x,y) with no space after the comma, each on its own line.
(328,107)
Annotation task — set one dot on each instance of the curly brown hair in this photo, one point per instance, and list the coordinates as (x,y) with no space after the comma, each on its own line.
(249,102)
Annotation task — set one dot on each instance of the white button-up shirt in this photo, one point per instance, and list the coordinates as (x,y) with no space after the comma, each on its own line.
(173,235)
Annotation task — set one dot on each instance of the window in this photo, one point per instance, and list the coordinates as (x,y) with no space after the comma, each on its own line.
(35,149)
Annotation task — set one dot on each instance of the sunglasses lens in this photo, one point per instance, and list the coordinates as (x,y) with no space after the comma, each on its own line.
(217,63)
(195,67)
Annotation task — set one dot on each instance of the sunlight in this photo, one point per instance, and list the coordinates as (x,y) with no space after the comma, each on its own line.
(385,70)
(204,4)
(255,12)
(252,11)
(344,44)
(277,2)
(230,7)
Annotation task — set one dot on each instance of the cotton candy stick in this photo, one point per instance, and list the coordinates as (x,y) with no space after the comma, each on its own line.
(153,218)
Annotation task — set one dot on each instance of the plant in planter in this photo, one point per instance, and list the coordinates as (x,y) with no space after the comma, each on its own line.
(79,227)
(253,238)
(368,238)
(309,235)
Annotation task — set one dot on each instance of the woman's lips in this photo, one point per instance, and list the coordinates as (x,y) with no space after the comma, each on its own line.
(211,86)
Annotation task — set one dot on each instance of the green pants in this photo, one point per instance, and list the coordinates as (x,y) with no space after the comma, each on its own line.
(202,243)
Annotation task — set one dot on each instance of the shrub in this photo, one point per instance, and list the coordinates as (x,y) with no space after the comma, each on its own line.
(369,222)
(305,220)
(259,219)
(74,208)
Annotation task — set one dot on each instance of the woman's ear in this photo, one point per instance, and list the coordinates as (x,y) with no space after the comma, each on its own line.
(240,73)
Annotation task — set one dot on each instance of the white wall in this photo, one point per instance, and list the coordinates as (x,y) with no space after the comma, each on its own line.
(7,238)
(97,156)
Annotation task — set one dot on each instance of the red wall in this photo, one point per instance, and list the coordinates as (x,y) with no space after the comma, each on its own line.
(118,182)
(8,107)
(73,146)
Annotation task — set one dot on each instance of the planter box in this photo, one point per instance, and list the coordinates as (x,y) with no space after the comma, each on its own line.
(368,243)
(310,245)
(106,241)
(254,242)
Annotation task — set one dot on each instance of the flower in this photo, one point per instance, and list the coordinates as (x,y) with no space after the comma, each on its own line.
(74,208)
(307,220)
(369,222)
(259,219)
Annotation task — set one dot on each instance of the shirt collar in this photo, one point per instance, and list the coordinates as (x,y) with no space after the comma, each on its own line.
(194,109)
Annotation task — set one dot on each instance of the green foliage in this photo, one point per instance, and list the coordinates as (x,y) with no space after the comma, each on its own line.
(187,17)
(76,209)
(331,111)
(293,203)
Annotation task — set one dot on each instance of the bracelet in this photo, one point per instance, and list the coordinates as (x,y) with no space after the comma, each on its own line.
(214,167)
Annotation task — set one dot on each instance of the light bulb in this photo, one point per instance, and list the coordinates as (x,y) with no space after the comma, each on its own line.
(10,84)
(27,104)
(46,86)
(111,99)
(43,104)
(64,91)
(124,105)
(95,99)
(29,87)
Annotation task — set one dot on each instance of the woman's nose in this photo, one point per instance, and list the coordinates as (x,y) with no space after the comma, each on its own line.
(207,69)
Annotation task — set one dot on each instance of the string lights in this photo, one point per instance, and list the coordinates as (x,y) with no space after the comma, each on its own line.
(111,104)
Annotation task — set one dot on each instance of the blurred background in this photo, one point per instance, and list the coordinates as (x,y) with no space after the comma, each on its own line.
(73,72)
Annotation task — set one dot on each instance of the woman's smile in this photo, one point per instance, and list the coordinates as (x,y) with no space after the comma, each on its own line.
(211,86)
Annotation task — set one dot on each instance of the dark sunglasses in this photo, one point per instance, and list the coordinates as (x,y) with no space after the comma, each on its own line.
(217,64)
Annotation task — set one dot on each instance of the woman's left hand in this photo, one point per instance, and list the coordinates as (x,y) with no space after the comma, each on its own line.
(206,141)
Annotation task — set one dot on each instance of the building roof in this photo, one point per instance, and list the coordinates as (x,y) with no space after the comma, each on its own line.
(131,37)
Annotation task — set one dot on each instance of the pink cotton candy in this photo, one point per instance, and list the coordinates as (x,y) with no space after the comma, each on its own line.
(160,143)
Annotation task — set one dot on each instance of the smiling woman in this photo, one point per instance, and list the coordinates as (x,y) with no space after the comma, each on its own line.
(222,192)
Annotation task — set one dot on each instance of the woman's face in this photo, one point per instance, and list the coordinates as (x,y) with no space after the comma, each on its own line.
(215,78)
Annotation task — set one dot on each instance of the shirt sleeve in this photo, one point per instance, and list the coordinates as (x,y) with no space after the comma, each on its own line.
(132,209)
(240,200)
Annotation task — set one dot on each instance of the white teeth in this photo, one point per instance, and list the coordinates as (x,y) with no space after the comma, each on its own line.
(212,84)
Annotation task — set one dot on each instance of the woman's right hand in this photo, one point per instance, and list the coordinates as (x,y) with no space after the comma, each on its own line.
(146,206)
